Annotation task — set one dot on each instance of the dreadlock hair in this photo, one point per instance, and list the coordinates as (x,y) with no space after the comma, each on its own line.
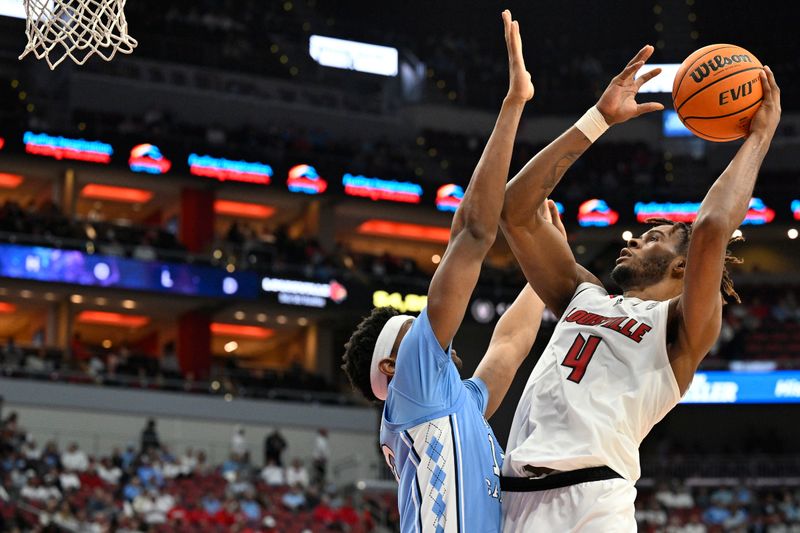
(358,350)
(729,294)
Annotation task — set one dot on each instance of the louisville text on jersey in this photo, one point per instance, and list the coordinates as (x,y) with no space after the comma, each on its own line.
(625,325)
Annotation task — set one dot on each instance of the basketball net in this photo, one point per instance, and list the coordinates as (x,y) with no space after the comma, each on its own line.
(78,29)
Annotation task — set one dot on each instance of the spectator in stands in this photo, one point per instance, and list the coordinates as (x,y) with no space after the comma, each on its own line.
(50,455)
(323,513)
(716,514)
(274,445)
(294,499)
(65,517)
(150,473)
(11,352)
(36,362)
(675,497)
(321,456)
(188,462)
(170,366)
(231,466)
(149,437)
(738,518)
(127,458)
(347,514)
(144,251)
(36,491)
(234,235)
(297,474)
(211,504)
(272,474)
(78,351)
(133,489)
(743,494)
(96,366)
(10,424)
(68,480)
(74,459)
(239,484)
(250,507)
(100,501)
(31,450)
(108,472)
(652,515)
(694,525)
(202,468)
(238,442)
(170,466)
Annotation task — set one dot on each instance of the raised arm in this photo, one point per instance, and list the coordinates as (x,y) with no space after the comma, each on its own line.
(475,222)
(514,335)
(544,256)
(697,312)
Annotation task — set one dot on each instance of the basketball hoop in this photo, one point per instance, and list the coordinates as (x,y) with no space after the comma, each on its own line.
(77,29)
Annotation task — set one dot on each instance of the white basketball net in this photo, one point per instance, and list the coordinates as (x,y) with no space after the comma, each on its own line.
(77,29)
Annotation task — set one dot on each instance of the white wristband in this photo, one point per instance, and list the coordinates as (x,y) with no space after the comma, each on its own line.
(592,124)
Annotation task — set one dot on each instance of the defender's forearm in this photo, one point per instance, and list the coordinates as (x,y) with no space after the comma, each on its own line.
(727,201)
(479,211)
(537,179)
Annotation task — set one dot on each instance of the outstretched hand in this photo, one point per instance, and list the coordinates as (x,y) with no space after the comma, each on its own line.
(520,86)
(618,102)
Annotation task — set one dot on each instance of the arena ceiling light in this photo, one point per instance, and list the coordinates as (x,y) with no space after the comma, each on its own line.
(12,8)
(10,181)
(404,230)
(113,319)
(661,83)
(243,209)
(116,194)
(352,55)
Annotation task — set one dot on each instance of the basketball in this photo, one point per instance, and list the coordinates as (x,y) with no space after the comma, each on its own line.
(717,90)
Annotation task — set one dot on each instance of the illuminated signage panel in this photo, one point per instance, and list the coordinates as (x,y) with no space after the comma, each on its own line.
(381,189)
(229,170)
(596,212)
(65,148)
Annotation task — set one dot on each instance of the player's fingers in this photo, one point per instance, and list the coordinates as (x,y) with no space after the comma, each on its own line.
(544,210)
(557,222)
(641,55)
(771,77)
(556,217)
(648,107)
(647,76)
(766,86)
(518,44)
(507,23)
(630,70)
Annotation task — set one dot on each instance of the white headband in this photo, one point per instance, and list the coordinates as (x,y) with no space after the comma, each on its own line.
(383,348)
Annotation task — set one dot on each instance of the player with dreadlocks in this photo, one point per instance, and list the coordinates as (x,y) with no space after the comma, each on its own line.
(434,433)
(615,365)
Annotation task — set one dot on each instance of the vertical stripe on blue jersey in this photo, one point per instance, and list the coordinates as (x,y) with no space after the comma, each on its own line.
(417,495)
(459,474)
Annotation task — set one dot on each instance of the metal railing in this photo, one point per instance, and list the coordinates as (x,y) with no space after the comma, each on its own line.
(223,385)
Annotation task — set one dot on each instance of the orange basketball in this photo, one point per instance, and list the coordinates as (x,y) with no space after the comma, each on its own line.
(717,91)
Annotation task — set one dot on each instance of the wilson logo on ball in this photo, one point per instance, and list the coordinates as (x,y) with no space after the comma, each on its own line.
(717,62)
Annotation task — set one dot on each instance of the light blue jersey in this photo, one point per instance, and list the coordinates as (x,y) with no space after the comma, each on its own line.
(437,442)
